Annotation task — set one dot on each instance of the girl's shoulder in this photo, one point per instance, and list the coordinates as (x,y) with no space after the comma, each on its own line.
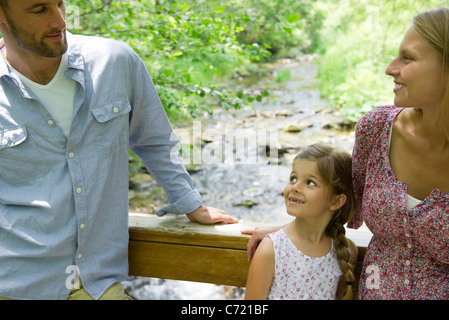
(279,238)
(265,250)
(279,234)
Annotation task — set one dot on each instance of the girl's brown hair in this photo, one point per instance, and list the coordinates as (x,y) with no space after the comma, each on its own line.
(433,26)
(336,169)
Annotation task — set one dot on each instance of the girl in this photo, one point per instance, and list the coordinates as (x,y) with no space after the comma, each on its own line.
(310,258)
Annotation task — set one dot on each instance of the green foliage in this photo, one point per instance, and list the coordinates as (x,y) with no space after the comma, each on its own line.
(190,47)
(357,41)
(281,24)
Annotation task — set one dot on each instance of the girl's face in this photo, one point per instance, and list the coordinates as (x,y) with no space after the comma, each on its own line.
(417,73)
(306,195)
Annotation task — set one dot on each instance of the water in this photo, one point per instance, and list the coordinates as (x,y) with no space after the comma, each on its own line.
(242,161)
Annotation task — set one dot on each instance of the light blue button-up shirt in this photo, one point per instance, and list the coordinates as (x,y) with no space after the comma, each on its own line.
(64,200)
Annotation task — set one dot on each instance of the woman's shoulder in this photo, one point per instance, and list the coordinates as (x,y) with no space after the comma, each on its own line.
(379,114)
(376,119)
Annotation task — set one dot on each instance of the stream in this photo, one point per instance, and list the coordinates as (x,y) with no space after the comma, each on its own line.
(240,161)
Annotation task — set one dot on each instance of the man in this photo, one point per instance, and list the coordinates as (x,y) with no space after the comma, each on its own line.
(70,107)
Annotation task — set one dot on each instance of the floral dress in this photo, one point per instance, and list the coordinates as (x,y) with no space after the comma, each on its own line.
(300,277)
(408,256)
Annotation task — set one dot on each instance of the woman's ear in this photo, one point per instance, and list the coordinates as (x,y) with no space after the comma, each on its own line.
(337,201)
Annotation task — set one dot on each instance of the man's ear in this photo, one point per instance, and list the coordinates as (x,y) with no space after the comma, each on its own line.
(338,201)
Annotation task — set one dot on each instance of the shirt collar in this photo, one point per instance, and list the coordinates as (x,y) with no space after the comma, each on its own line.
(74,52)
(4,70)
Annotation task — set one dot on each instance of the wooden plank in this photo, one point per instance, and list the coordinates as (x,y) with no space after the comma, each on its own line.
(178,229)
(175,248)
(191,263)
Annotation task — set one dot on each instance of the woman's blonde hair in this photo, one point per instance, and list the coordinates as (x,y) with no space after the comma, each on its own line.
(336,169)
(433,26)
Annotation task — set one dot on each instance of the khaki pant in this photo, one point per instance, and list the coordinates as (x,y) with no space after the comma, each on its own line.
(114,292)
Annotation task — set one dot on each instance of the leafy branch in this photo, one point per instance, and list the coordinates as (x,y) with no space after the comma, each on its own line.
(186,46)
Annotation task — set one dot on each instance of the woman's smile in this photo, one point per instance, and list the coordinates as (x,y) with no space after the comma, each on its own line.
(398,87)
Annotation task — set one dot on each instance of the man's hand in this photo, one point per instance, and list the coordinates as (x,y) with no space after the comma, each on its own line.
(209,215)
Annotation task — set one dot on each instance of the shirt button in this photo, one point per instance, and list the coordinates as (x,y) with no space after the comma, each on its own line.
(50,122)
(406,281)
(82,226)
(79,256)
(407,262)
(71,155)
(409,245)
(405,220)
(407,235)
(78,190)
(115,110)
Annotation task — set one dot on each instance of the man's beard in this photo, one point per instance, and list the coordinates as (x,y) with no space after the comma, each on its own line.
(26,41)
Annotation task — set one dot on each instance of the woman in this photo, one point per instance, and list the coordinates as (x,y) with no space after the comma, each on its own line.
(401,171)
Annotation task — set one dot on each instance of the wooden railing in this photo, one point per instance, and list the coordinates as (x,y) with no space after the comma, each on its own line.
(175,248)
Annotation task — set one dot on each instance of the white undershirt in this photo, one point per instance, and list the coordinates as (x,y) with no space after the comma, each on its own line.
(57,96)
(411,201)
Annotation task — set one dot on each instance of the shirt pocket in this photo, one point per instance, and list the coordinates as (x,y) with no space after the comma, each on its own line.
(20,159)
(112,125)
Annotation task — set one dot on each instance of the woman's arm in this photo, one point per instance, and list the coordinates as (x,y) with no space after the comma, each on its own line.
(261,272)
(367,132)
(258,235)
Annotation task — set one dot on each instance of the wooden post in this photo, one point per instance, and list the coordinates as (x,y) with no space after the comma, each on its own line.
(172,247)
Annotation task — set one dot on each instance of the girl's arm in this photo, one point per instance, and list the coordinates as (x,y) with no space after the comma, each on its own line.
(261,272)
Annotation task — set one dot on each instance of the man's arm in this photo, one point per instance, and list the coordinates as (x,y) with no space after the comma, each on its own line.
(153,140)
